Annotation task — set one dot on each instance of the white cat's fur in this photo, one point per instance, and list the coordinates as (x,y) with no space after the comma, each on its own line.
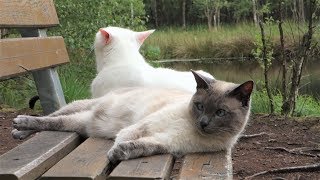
(119,64)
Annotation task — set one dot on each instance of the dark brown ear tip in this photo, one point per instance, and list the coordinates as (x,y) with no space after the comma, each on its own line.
(251,82)
(248,86)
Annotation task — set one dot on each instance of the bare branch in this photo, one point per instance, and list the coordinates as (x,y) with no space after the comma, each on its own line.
(307,168)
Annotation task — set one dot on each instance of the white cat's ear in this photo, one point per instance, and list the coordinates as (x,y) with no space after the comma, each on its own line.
(142,36)
(202,81)
(105,35)
(243,92)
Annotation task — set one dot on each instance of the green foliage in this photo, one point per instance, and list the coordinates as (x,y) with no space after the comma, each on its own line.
(77,76)
(258,51)
(208,5)
(241,8)
(306,104)
(151,52)
(80,19)
(16,92)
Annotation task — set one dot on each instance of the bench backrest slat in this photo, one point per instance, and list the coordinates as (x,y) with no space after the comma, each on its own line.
(21,55)
(27,13)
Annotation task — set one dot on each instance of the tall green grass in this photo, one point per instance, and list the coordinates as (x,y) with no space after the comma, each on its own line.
(77,76)
(226,42)
(306,105)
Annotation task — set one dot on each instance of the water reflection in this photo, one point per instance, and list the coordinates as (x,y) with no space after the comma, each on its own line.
(240,71)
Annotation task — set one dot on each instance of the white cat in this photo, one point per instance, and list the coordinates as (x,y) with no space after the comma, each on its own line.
(119,64)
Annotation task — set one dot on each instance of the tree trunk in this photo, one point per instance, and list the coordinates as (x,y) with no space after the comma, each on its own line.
(215,21)
(183,14)
(209,18)
(298,63)
(301,11)
(266,68)
(283,60)
(294,11)
(155,13)
(254,11)
(218,17)
(164,14)
(209,12)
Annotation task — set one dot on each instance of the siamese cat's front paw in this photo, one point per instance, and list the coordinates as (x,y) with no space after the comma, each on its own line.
(118,153)
(16,134)
(23,122)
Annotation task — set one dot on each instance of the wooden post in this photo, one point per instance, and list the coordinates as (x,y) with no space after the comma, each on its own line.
(47,80)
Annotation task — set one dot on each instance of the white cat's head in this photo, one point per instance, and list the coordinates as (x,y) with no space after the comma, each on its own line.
(117,37)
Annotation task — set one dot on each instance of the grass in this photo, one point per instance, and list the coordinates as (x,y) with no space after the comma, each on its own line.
(306,104)
(228,41)
(77,76)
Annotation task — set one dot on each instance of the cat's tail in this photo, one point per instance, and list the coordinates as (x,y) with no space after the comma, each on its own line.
(33,101)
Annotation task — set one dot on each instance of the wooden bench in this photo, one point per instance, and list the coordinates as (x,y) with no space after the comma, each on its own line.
(63,155)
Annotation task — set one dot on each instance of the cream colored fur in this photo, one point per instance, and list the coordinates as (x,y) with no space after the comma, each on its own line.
(119,64)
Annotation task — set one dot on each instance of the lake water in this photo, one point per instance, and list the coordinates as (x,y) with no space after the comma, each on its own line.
(240,71)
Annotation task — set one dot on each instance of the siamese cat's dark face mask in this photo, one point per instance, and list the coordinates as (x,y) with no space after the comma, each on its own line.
(220,107)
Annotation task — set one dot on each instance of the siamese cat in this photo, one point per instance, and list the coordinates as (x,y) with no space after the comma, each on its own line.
(145,121)
(120,64)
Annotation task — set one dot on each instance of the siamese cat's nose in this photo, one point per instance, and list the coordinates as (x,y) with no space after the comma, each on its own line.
(204,122)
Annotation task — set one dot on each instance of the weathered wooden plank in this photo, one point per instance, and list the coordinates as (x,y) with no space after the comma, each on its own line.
(32,158)
(216,165)
(28,13)
(87,161)
(20,55)
(153,167)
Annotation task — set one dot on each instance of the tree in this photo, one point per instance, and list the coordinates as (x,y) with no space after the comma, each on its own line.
(300,56)
(80,20)
(254,12)
(264,55)
(282,57)
(184,3)
(301,11)
(212,10)
(241,9)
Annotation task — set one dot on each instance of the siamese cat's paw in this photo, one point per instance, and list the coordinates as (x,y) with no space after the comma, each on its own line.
(23,122)
(16,134)
(119,152)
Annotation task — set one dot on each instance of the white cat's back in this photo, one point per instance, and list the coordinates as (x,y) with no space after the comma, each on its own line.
(169,78)
(118,76)
(119,64)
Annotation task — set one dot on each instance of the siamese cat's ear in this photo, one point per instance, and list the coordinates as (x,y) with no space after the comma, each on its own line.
(142,36)
(243,92)
(202,81)
(105,35)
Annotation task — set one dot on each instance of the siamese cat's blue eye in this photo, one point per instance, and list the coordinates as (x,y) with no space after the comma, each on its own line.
(220,112)
(199,106)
